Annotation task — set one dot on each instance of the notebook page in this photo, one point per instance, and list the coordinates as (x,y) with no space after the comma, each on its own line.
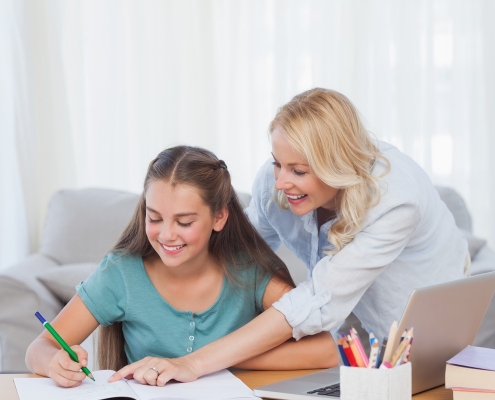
(220,385)
(45,389)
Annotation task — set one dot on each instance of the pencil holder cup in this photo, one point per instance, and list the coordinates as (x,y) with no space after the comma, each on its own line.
(376,384)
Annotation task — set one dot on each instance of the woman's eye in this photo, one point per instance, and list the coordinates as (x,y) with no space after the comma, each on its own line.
(275,164)
(151,220)
(185,224)
(299,173)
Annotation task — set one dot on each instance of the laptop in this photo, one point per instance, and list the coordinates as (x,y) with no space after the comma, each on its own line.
(445,317)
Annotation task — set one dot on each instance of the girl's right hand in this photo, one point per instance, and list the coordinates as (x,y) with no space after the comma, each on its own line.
(64,371)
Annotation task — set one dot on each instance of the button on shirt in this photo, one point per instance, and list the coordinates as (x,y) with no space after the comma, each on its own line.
(408,240)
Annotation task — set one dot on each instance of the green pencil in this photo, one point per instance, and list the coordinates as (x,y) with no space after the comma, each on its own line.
(62,343)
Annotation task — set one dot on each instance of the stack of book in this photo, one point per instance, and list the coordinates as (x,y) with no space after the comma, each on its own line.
(471,374)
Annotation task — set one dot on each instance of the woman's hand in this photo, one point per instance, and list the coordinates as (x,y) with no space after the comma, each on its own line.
(158,371)
(64,371)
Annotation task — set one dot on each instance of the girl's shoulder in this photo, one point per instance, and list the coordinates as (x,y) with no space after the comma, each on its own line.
(121,260)
(246,272)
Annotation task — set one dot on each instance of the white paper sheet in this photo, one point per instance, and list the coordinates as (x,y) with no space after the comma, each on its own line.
(220,385)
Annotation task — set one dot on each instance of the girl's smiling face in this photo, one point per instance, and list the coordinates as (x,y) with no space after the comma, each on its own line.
(179,224)
(304,190)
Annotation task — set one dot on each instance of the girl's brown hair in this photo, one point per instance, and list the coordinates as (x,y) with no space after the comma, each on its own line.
(236,246)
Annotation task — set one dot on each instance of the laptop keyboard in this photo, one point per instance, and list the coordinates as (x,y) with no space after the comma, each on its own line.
(332,390)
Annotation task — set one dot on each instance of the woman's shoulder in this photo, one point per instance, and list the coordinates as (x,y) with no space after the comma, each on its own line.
(404,181)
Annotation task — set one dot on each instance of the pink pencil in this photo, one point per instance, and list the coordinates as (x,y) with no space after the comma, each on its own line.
(359,346)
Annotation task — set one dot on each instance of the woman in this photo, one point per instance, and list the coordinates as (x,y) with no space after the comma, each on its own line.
(364,217)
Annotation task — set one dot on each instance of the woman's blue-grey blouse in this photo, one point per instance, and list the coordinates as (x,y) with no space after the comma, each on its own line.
(408,240)
(120,290)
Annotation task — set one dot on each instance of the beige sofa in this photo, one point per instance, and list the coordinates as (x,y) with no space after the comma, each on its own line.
(82,225)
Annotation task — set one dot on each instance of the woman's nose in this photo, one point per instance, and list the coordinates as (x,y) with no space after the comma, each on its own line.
(281,180)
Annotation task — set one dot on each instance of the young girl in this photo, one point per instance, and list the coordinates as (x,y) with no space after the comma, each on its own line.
(188,269)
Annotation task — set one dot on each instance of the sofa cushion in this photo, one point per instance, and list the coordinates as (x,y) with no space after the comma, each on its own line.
(21,295)
(83,225)
(457,207)
(62,280)
(474,243)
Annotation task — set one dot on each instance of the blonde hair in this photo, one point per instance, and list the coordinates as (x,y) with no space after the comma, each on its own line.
(324,127)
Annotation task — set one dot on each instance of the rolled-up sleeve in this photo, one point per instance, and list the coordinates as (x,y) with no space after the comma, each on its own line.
(322,302)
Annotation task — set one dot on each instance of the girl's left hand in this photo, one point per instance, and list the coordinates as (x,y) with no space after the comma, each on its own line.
(157,371)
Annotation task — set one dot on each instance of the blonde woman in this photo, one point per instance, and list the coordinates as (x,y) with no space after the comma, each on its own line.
(364,218)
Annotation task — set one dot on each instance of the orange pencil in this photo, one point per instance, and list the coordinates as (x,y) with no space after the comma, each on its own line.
(348,352)
(359,346)
(355,352)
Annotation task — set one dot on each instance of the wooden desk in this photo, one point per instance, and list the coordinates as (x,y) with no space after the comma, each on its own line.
(250,378)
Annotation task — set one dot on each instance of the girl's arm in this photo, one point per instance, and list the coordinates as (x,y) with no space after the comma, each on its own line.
(316,351)
(44,356)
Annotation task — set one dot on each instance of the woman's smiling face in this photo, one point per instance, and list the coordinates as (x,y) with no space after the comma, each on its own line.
(304,190)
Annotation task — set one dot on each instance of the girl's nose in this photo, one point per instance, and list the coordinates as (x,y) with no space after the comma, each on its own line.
(167,234)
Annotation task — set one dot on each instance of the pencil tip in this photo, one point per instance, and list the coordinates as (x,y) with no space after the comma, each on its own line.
(91,376)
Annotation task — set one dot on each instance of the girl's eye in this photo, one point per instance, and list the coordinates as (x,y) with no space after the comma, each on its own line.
(153,221)
(275,164)
(184,224)
(299,173)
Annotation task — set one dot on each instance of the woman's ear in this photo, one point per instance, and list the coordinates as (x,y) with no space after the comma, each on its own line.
(221,219)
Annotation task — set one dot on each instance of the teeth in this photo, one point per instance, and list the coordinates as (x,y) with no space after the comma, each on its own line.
(173,248)
(295,197)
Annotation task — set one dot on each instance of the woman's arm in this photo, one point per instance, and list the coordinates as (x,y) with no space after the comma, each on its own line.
(260,344)
(266,331)
(44,356)
(310,352)
(315,351)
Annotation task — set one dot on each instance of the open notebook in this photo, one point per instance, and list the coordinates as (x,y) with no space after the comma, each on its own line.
(445,317)
(217,386)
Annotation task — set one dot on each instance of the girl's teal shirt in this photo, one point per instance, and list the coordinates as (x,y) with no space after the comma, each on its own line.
(120,290)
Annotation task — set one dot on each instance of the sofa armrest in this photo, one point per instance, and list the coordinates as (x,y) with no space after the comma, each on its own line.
(484,261)
(21,295)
